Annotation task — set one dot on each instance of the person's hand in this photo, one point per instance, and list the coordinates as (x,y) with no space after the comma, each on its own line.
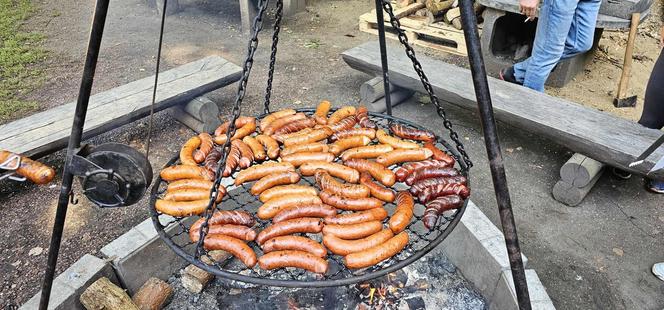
(529,7)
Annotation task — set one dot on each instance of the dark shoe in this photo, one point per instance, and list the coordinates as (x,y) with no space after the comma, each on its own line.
(507,75)
(621,174)
(655,186)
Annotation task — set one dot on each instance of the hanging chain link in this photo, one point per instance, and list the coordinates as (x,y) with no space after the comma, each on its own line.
(273,55)
(235,114)
(410,52)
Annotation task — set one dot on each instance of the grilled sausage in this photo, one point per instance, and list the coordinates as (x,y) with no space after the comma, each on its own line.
(353,231)
(370,151)
(245,125)
(346,123)
(420,185)
(289,227)
(327,183)
(258,171)
(407,169)
(232,217)
(436,191)
(296,243)
(205,148)
(270,145)
(281,122)
(182,208)
(371,133)
(271,180)
(283,190)
(187,151)
(439,205)
(236,231)
(297,159)
(296,126)
(297,259)
(396,143)
(403,213)
(190,194)
(344,247)
(349,204)
(246,156)
(274,116)
(340,114)
(232,160)
(403,155)
(282,138)
(438,154)
(273,206)
(347,143)
(321,112)
(428,173)
(256,148)
(212,160)
(179,172)
(377,190)
(194,184)
(362,116)
(311,137)
(347,174)
(314,210)
(376,254)
(375,214)
(376,170)
(310,147)
(232,245)
(34,171)
(405,132)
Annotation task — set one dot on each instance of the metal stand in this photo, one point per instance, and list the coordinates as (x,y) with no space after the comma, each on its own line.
(383,56)
(85,90)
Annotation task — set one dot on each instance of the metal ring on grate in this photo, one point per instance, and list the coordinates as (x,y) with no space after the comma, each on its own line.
(175,233)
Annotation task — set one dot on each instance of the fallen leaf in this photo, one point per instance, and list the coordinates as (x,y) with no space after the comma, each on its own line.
(618,251)
(35,251)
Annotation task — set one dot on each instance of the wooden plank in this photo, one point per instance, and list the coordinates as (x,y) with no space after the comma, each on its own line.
(48,131)
(609,139)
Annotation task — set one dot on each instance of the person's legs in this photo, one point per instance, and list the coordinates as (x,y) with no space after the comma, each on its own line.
(653,112)
(582,32)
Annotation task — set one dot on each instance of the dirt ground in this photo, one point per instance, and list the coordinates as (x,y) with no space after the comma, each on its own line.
(599,261)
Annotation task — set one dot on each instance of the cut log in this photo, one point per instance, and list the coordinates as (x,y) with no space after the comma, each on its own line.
(408,10)
(397,97)
(373,90)
(431,18)
(437,7)
(453,16)
(153,295)
(403,3)
(103,295)
(571,195)
(421,12)
(200,114)
(195,279)
(580,170)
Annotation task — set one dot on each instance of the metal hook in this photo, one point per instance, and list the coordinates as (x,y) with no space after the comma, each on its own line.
(12,163)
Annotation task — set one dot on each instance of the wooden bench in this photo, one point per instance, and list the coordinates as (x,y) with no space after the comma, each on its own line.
(48,131)
(601,136)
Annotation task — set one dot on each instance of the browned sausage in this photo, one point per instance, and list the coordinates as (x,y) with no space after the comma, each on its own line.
(274,116)
(420,185)
(314,136)
(403,213)
(362,116)
(340,114)
(310,147)
(347,143)
(289,227)
(295,126)
(349,204)
(232,245)
(34,171)
(353,231)
(439,205)
(377,190)
(258,171)
(375,214)
(438,154)
(412,133)
(344,247)
(403,155)
(273,206)
(296,243)
(205,148)
(232,160)
(246,156)
(326,182)
(297,259)
(232,217)
(284,190)
(281,122)
(193,184)
(212,160)
(407,169)
(370,151)
(179,172)
(396,143)
(187,151)
(432,192)
(182,208)
(190,194)
(376,170)
(371,133)
(321,112)
(282,138)
(271,180)
(245,125)
(338,170)
(314,210)
(376,254)
(270,145)
(428,173)
(297,159)
(256,148)
(346,123)
(236,231)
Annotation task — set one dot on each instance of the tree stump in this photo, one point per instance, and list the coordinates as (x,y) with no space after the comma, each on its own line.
(104,295)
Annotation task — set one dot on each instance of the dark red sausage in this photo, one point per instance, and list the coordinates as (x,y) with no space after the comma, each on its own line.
(439,205)
(438,154)
(405,132)
(416,188)
(403,171)
(362,116)
(428,173)
(433,192)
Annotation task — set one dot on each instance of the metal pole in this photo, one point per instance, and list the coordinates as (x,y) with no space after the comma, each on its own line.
(469,24)
(94,43)
(383,55)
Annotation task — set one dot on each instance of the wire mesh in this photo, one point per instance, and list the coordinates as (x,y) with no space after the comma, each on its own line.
(175,233)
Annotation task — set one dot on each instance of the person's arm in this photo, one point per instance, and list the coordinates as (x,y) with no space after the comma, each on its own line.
(529,7)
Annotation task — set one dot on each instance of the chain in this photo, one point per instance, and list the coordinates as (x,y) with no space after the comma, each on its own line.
(235,114)
(410,52)
(273,55)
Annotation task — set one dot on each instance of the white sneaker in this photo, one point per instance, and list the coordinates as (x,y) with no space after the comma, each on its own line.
(658,270)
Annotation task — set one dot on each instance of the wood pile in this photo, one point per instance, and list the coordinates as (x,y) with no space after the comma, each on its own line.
(435,11)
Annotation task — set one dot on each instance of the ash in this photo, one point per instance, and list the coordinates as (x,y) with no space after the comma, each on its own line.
(430,283)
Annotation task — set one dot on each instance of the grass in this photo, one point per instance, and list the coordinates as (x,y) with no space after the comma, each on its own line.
(19,52)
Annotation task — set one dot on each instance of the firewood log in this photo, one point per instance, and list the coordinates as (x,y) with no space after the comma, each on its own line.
(153,295)
(102,294)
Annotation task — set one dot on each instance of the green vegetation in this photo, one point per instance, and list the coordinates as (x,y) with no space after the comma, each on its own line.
(19,51)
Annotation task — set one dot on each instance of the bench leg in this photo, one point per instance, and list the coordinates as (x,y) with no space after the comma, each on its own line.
(247,15)
(199,114)
(173,7)
(577,177)
(293,6)
(372,94)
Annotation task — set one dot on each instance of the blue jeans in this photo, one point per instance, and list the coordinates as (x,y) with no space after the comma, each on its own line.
(565,28)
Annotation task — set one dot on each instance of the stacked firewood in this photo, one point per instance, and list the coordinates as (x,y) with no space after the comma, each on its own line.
(435,11)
